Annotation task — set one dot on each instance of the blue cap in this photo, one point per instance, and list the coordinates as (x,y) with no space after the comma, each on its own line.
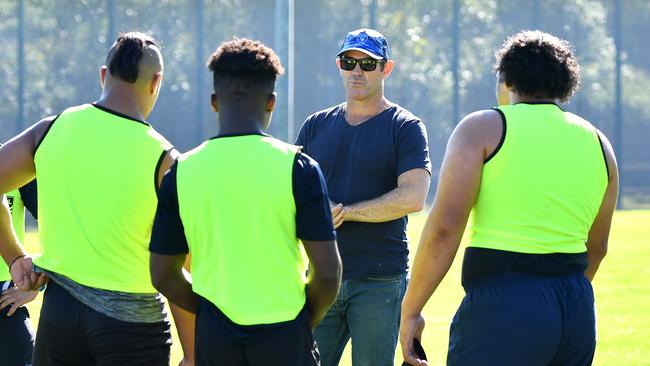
(368,41)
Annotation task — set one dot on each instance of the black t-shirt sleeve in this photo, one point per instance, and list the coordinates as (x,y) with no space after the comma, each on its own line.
(303,135)
(313,215)
(30,197)
(412,147)
(168,234)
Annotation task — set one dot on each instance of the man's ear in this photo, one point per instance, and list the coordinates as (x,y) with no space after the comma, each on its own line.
(214,102)
(102,75)
(156,83)
(388,68)
(270,102)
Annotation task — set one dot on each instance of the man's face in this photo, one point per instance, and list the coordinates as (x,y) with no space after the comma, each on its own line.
(361,85)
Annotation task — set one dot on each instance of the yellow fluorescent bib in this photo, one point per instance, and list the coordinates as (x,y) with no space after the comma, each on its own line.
(97,199)
(236,203)
(541,192)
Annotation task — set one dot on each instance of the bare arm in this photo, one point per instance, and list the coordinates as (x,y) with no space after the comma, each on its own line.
(408,197)
(17,169)
(169,277)
(458,186)
(17,156)
(183,318)
(599,233)
(324,277)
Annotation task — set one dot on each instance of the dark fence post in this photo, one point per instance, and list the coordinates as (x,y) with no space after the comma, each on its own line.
(373,14)
(618,120)
(20,116)
(111,22)
(201,73)
(291,90)
(455,40)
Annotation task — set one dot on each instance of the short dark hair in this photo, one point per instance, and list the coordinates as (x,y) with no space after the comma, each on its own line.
(125,55)
(243,63)
(538,64)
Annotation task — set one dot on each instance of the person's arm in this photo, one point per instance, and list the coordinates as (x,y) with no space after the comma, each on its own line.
(458,186)
(324,277)
(17,169)
(315,230)
(408,197)
(413,172)
(173,281)
(599,233)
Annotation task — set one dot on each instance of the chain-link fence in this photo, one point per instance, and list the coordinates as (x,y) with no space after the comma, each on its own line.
(443,49)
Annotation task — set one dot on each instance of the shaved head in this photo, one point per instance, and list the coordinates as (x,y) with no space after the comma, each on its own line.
(134,57)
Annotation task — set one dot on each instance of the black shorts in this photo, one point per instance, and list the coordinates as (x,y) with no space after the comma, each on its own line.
(71,333)
(16,337)
(524,319)
(219,341)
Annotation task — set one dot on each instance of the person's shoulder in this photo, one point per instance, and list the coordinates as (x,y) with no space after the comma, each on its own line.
(305,161)
(480,124)
(159,139)
(579,121)
(325,114)
(403,120)
(402,115)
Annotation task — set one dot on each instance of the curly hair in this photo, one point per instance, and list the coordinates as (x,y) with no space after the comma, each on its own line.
(245,60)
(538,64)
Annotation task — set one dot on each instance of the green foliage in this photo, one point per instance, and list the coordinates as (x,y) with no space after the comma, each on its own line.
(66,42)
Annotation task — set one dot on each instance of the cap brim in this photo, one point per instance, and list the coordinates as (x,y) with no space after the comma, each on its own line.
(376,57)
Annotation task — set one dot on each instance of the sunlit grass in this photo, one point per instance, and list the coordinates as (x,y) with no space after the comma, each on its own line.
(622,289)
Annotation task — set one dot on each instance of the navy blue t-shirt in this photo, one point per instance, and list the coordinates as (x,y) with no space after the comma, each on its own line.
(313,216)
(361,163)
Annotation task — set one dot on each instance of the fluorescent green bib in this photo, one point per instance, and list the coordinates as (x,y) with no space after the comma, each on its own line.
(18,219)
(96,176)
(236,203)
(541,192)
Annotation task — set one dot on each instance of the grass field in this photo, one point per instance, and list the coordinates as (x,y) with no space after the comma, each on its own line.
(622,288)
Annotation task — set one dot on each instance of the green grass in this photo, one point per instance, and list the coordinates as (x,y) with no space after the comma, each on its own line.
(622,288)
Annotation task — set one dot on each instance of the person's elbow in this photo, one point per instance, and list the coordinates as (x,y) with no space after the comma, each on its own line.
(329,275)
(159,277)
(159,282)
(414,204)
(597,249)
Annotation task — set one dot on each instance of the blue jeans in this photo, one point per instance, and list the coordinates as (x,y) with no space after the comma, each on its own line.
(368,310)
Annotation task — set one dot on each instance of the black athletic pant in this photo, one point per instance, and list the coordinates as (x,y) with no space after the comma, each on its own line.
(219,341)
(71,333)
(16,337)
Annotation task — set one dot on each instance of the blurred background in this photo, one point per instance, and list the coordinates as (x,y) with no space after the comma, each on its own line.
(443,49)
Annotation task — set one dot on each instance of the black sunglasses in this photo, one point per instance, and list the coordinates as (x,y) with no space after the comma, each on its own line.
(366,64)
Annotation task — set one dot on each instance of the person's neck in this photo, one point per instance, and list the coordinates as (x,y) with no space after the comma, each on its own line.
(121,100)
(359,111)
(515,98)
(239,122)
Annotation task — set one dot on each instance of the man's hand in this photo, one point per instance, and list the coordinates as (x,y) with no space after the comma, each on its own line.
(338,213)
(23,275)
(16,298)
(411,327)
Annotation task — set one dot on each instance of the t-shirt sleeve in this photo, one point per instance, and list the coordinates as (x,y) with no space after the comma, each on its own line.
(412,147)
(30,197)
(168,234)
(303,134)
(313,215)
